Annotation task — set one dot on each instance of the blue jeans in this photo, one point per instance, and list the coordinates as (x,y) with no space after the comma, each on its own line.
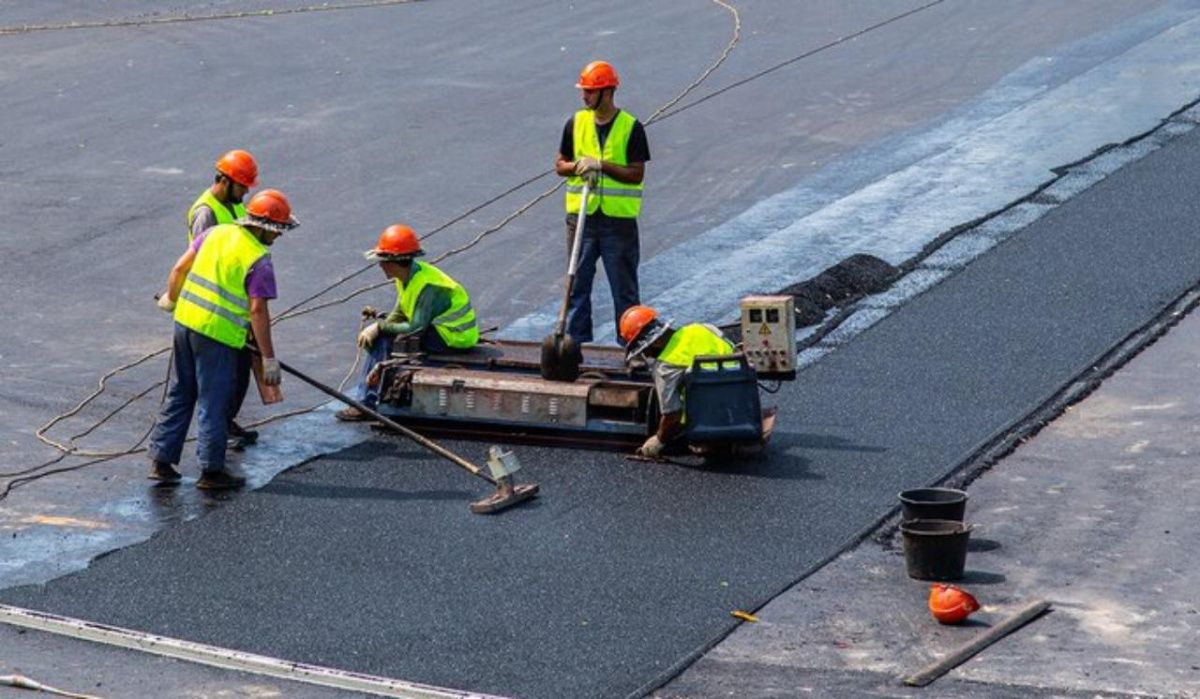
(616,243)
(242,385)
(380,350)
(205,372)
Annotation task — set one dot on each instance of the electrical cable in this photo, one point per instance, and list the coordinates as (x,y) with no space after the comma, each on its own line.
(176,19)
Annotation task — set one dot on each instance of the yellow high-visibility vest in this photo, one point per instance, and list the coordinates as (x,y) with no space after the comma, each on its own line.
(207,198)
(692,341)
(614,198)
(456,325)
(213,301)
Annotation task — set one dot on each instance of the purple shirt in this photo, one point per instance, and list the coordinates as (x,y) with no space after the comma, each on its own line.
(260,278)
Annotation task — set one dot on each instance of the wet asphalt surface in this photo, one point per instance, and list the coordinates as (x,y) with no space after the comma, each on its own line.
(368,559)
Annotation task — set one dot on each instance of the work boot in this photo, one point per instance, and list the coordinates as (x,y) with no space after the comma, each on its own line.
(225,479)
(164,473)
(352,414)
(239,437)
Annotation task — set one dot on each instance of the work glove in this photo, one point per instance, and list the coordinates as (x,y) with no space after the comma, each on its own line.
(651,448)
(165,303)
(271,371)
(367,337)
(585,165)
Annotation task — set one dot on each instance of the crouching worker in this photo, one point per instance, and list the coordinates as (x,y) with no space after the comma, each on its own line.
(668,353)
(430,306)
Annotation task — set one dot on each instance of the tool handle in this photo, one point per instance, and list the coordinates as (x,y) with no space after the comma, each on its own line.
(573,260)
(423,441)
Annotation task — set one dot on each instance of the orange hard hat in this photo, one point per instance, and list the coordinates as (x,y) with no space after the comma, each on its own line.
(640,327)
(396,242)
(598,75)
(270,209)
(239,166)
(950,604)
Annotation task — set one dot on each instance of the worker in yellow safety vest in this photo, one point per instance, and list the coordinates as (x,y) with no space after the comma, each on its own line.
(219,291)
(221,203)
(608,147)
(430,306)
(669,352)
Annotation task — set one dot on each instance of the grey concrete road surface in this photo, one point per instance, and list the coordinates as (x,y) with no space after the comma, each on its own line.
(416,111)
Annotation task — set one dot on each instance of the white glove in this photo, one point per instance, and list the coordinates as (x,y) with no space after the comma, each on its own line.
(585,165)
(368,336)
(652,447)
(165,303)
(271,371)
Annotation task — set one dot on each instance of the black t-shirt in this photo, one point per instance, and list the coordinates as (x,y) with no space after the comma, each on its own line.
(637,151)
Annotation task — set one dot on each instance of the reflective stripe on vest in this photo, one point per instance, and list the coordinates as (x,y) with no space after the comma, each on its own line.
(456,325)
(692,341)
(207,198)
(213,301)
(615,199)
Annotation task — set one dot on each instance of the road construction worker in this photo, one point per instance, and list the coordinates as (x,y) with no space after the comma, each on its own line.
(669,353)
(219,292)
(237,173)
(430,307)
(607,146)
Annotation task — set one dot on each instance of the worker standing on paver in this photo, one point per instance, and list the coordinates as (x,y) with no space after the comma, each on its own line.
(219,292)
(669,354)
(607,145)
(237,174)
(430,307)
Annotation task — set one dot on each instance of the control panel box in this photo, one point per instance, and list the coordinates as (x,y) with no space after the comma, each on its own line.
(769,335)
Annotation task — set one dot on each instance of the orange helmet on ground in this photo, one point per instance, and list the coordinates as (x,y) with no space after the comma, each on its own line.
(269,209)
(397,242)
(640,327)
(239,166)
(950,604)
(598,75)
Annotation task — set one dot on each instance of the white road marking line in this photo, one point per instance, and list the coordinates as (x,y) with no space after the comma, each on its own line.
(228,659)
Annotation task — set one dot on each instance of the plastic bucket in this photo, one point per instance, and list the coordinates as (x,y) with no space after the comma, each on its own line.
(933,503)
(935,549)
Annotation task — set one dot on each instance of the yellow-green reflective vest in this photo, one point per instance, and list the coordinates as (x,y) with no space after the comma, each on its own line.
(615,199)
(692,341)
(457,325)
(213,301)
(219,210)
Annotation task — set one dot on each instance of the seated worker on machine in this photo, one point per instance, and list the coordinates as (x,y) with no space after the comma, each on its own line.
(430,306)
(669,354)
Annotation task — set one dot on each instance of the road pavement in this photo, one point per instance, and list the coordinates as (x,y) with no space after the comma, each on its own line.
(368,559)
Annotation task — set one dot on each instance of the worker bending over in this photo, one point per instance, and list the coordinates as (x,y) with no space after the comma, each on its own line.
(669,354)
(607,146)
(430,306)
(221,203)
(219,292)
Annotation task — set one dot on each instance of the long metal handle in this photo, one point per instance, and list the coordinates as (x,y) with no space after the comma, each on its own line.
(573,261)
(423,441)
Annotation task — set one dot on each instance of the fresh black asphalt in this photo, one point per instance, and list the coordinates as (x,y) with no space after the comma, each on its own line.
(369,560)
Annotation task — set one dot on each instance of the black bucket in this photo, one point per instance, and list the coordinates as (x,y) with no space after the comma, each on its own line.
(933,503)
(935,549)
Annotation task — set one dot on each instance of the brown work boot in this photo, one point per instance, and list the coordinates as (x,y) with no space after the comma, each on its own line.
(164,473)
(220,480)
(352,414)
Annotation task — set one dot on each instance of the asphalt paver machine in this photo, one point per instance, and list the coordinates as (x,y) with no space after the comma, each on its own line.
(496,391)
